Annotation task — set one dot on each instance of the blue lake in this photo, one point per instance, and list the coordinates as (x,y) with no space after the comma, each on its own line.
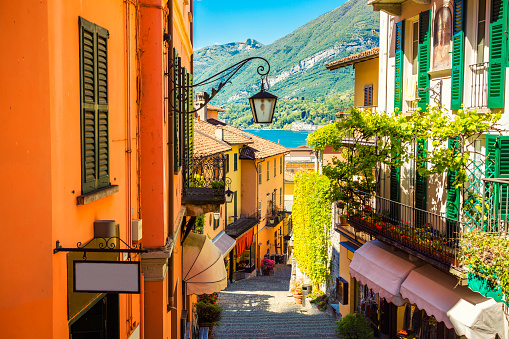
(284,137)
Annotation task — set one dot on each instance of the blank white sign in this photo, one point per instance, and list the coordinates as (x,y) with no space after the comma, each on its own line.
(107,276)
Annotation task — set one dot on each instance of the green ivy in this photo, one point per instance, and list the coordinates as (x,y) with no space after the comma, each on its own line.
(311,224)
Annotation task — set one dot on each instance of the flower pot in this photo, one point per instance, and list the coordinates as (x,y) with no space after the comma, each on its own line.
(209,325)
(298,299)
(343,220)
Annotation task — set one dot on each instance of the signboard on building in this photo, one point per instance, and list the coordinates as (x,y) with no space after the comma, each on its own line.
(106,276)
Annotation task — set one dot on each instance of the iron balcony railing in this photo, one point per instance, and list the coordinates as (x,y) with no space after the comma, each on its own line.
(479,86)
(204,180)
(275,216)
(427,235)
(242,224)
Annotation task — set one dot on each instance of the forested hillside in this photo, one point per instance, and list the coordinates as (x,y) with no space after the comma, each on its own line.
(297,65)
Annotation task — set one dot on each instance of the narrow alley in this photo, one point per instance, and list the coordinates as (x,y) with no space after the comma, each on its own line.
(262,307)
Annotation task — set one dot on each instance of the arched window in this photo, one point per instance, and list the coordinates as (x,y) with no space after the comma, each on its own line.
(442,39)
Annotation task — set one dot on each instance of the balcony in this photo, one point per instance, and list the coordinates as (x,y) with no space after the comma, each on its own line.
(423,234)
(275,216)
(242,224)
(479,85)
(204,182)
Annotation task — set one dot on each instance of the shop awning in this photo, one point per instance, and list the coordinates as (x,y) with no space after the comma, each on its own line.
(468,312)
(380,268)
(224,242)
(203,266)
(244,242)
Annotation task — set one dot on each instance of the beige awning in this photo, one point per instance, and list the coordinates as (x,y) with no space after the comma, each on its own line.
(383,270)
(468,312)
(204,270)
(224,242)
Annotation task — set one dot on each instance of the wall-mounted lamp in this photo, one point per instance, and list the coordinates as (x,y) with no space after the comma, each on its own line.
(228,194)
(263,104)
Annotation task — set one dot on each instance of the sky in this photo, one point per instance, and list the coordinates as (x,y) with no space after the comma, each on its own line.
(218,22)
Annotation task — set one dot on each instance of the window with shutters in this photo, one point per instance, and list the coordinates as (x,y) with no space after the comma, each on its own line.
(368,95)
(497,53)
(275,167)
(281,165)
(415,47)
(227,163)
(95,159)
(235,161)
(442,34)
(268,166)
(259,174)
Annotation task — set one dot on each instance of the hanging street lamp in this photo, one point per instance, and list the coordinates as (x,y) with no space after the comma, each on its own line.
(263,104)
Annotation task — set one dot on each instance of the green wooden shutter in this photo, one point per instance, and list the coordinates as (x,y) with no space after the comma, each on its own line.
(185,116)
(424,56)
(176,113)
(190,119)
(496,70)
(497,166)
(452,206)
(398,67)
(458,52)
(421,185)
(235,205)
(395,178)
(95,167)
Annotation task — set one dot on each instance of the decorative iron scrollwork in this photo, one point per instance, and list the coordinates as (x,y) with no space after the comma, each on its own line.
(223,76)
(105,245)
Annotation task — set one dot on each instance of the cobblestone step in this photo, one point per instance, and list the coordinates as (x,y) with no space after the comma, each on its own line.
(263,308)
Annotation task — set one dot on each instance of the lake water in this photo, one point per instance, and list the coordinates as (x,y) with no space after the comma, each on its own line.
(284,137)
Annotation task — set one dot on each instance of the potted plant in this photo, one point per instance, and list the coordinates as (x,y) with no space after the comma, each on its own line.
(297,291)
(353,326)
(217,184)
(208,314)
(267,266)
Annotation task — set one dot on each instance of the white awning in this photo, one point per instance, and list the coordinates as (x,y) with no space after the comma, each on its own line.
(224,242)
(204,270)
(468,312)
(383,270)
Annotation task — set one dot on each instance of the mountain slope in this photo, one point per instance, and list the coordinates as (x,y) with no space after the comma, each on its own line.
(298,59)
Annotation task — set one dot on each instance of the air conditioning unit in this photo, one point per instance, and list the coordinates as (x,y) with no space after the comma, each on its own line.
(137,230)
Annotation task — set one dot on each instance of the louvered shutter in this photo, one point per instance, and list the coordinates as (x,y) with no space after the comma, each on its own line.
(497,166)
(176,111)
(190,119)
(452,207)
(421,185)
(424,56)
(395,177)
(496,70)
(95,171)
(368,95)
(398,67)
(458,52)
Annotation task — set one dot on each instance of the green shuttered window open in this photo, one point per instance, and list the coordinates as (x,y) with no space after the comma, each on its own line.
(398,67)
(498,46)
(452,206)
(424,58)
(95,167)
(177,78)
(458,52)
(497,166)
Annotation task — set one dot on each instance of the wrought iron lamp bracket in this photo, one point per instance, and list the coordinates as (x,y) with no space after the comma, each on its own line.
(223,76)
(105,246)
(435,92)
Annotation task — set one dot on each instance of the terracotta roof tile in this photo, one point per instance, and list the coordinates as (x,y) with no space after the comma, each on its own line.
(354,58)
(229,136)
(205,145)
(289,176)
(215,108)
(260,148)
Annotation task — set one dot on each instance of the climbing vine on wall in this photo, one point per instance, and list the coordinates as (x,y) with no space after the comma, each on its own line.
(311,224)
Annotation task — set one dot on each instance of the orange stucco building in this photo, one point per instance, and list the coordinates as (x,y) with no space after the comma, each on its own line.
(89,135)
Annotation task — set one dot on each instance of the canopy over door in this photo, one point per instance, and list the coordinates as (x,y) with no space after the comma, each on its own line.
(204,270)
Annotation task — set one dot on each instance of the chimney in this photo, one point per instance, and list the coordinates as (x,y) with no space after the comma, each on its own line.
(219,133)
(200,100)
